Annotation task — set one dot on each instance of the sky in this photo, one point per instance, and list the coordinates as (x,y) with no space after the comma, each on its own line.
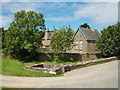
(57,13)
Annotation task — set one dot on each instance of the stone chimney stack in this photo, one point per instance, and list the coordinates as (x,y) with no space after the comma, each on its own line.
(46,33)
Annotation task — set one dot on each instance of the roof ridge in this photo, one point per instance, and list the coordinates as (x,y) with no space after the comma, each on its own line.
(83,34)
(90,33)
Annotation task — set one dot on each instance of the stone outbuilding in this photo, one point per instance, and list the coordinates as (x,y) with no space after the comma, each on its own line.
(84,40)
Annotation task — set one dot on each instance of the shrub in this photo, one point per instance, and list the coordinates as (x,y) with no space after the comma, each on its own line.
(87,56)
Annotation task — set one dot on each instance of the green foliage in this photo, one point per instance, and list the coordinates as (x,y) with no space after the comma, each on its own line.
(85,25)
(87,56)
(56,58)
(62,58)
(1,30)
(109,43)
(62,40)
(16,68)
(24,36)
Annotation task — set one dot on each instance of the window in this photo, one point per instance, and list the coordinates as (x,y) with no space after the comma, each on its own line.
(76,42)
(81,45)
(76,45)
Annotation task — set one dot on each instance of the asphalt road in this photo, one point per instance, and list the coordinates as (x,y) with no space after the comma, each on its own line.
(97,76)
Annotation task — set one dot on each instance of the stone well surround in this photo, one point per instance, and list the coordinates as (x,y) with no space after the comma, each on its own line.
(48,68)
(58,69)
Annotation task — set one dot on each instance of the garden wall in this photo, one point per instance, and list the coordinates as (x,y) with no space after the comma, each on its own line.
(72,56)
(92,62)
(58,69)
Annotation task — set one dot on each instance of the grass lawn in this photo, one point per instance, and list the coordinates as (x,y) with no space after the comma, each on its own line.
(15,68)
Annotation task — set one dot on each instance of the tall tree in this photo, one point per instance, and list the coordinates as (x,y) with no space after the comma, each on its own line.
(62,39)
(61,42)
(1,37)
(109,43)
(24,34)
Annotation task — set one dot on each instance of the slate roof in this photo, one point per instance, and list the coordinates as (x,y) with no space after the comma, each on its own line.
(89,33)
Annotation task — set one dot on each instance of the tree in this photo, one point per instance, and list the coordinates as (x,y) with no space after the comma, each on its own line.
(62,40)
(24,35)
(109,43)
(85,25)
(1,37)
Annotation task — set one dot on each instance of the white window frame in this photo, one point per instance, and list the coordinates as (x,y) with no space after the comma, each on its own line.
(76,42)
(76,47)
(81,45)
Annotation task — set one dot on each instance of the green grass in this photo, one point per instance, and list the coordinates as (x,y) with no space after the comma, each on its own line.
(9,88)
(15,68)
(0,65)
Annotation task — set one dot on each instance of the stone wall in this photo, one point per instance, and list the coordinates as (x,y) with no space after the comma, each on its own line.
(45,56)
(82,64)
(58,69)
(72,56)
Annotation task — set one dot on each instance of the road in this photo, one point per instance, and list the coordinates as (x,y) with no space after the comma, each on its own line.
(97,76)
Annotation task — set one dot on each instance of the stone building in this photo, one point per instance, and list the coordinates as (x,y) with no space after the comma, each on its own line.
(46,39)
(84,41)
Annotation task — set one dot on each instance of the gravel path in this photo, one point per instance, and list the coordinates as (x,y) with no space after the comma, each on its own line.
(97,76)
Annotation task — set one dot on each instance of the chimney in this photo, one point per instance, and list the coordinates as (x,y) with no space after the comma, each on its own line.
(81,27)
(46,33)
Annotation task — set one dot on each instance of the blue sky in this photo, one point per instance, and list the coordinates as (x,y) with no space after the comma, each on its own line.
(57,14)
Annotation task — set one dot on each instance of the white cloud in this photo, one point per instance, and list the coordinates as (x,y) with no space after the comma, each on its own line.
(14,7)
(16,0)
(5,21)
(10,8)
(100,13)
(98,0)
(60,0)
(59,19)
